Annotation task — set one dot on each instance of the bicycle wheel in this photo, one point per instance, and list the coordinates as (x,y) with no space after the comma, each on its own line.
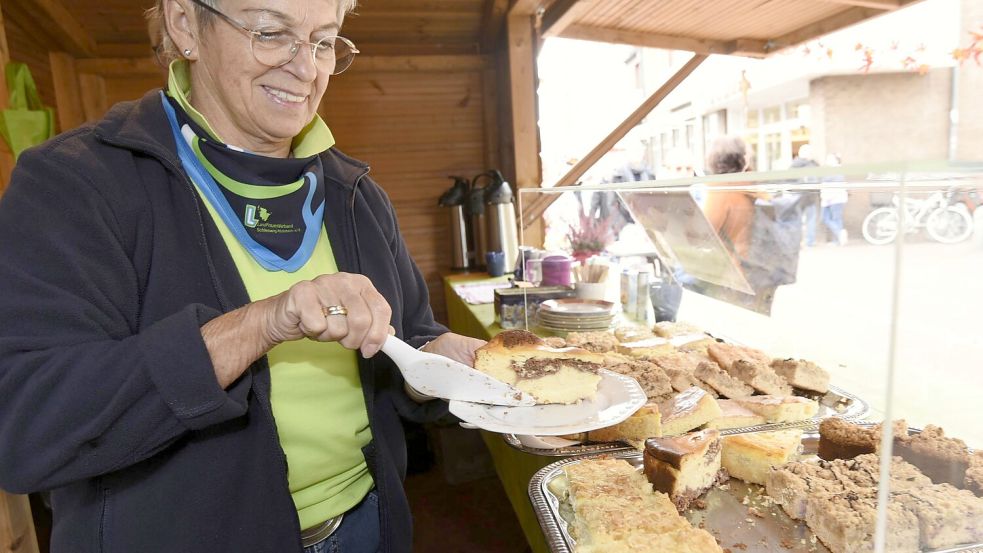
(881,226)
(949,225)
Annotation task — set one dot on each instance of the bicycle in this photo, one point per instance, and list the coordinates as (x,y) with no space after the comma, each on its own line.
(944,216)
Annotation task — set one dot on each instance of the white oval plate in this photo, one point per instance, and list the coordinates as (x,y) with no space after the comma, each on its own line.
(618,396)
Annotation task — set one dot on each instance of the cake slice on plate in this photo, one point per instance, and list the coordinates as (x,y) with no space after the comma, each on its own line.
(726,354)
(845,523)
(649,347)
(941,458)
(780,408)
(726,385)
(669,329)
(946,516)
(760,377)
(732,415)
(653,380)
(802,374)
(687,410)
(551,375)
(641,425)
(598,341)
(840,439)
(974,474)
(684,467)
(750,456)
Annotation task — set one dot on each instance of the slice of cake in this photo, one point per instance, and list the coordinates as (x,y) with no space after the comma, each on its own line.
(946,516)
(802,374)
(845,523)
(941,458)
(780,408)
(551,375)
(687,410)
(700,346)
(598,342)
(750,456)
(653,380)
(554,342)
(679,367)
(633,333)
(733,415)
(650,347)
(641,425)
(760,377)
(840,439)
(684,467)
(726,385)
(669,329)
(726,354)
(974,474)
(793,484)
(614,509)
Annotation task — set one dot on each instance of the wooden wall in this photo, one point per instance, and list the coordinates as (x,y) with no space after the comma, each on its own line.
(416,120)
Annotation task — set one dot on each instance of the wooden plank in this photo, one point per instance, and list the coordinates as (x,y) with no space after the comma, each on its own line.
(124,50)
(93,89)
(668,42)
(825,26)
(383,48)
(562,14)
(522,79)
(492,24)
(119,67)
(53,19)
(538,206)
(439,64)
(489,104)
(17,533)
(68,96)
(876,4)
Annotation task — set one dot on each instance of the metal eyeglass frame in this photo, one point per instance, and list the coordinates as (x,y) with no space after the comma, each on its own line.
(294,49)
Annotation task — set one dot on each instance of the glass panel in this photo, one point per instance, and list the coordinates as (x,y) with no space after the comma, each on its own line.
(772,115)
(752,119)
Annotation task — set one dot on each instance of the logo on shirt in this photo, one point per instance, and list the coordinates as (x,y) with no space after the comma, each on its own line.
(250,220)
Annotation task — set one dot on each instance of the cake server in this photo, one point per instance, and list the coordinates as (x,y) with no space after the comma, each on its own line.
(439,376)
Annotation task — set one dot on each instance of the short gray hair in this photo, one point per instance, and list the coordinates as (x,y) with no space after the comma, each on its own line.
(728,154)
(164,47)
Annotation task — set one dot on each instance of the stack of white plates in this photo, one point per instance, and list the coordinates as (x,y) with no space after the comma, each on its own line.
(575,315)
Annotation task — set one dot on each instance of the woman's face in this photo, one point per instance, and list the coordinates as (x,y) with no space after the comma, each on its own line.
(251,104)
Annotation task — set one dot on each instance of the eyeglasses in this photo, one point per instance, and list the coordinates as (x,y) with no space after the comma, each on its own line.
(278,48)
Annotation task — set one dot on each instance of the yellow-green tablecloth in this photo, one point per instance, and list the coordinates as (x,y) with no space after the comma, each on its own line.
(515,468)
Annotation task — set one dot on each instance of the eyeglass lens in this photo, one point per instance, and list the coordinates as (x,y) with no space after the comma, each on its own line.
(277,49)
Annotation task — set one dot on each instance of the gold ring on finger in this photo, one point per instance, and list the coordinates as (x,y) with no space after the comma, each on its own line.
(334,310)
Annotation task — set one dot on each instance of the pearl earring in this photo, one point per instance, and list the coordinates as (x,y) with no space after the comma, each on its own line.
(187,52)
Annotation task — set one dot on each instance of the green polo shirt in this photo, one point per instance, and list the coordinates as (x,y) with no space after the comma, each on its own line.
(316,392)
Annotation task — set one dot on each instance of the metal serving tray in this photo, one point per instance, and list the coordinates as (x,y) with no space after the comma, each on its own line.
(836,403)
(728,516)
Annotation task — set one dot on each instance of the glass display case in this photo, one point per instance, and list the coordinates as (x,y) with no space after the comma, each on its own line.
(884,293)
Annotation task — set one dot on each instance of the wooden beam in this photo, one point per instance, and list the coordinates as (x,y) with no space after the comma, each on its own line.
(492,23)
(94,102)
(562,14)
(17,533)
(750,47)
(420,63)
(522,79)
(68,95)
(525,7)
(537,207)
(53,20)
(836,22)
(126,50)
(876,4)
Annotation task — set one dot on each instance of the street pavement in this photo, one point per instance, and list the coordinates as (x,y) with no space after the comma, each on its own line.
(839,314)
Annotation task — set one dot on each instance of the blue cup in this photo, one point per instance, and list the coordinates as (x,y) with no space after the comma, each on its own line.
(495,261)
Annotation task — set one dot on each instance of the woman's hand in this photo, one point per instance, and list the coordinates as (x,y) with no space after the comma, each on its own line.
(304,311)
(457,347)
(238,338)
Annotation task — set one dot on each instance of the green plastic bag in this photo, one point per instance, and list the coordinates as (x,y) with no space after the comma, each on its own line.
(25,122)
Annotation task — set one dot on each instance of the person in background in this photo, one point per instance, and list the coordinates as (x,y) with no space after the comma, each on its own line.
(196,290)
(762,231)
(605,205)
(809,203)
(833,198)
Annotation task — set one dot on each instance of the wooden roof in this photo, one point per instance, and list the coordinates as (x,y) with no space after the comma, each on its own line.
(116,28)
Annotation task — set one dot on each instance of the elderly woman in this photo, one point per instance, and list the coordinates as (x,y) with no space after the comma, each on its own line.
(189,361)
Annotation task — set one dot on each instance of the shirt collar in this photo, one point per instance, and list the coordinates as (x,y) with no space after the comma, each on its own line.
(313,139)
